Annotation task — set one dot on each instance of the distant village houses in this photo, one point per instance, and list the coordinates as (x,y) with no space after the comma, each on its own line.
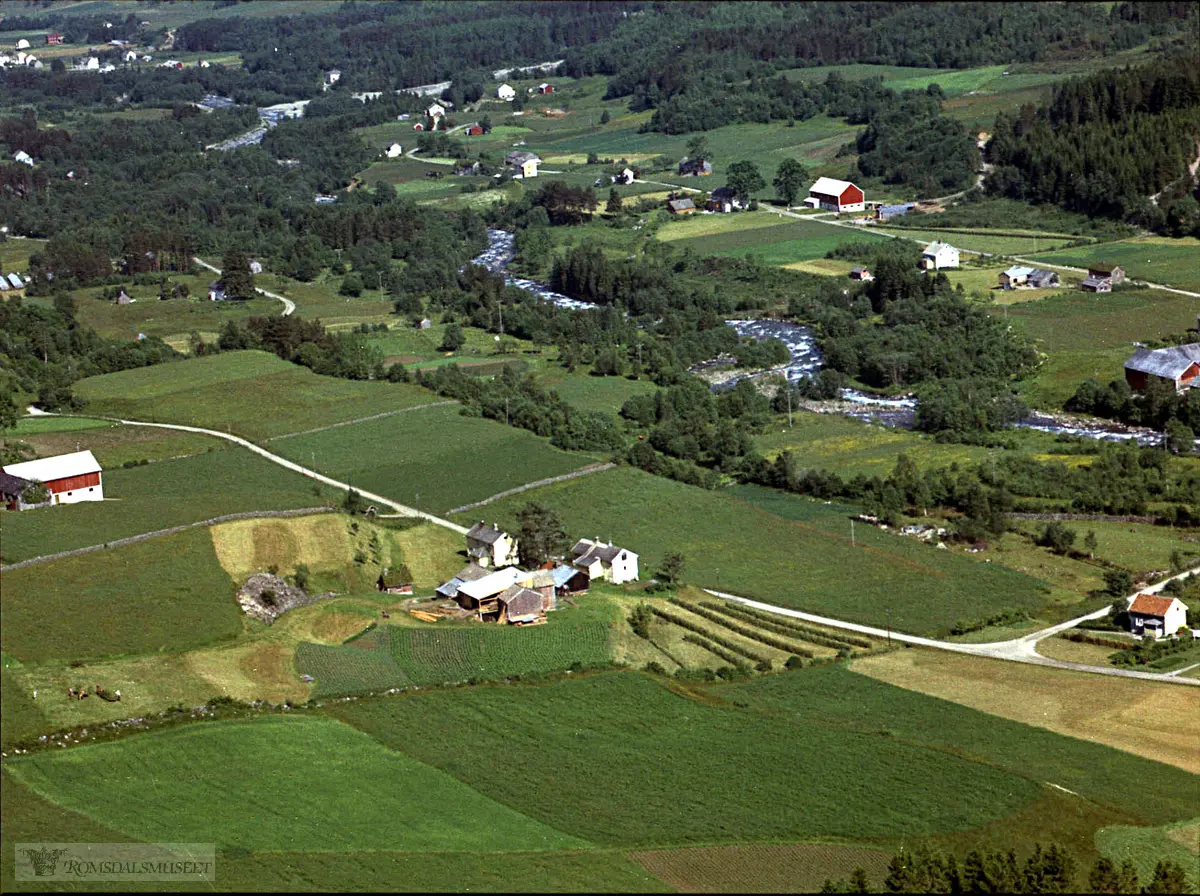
(1178,365)
(695,168)
(524,161)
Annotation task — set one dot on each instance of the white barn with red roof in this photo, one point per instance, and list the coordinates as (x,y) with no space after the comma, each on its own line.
(71,478)
(1157,616)
(836,196)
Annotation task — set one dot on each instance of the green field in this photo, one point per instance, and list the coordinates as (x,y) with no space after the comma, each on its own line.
(780,244)
(790,553)
(1093,322)
(982,241)
(112,443)
(1155,259)
(131,601)
(353,793)
(230,391)
(14,254)
(157,496)
(395,656)
(446,458)
(592,393)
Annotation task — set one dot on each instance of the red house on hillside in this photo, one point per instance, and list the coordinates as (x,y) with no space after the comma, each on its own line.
(475,130)
(835,196)
(545,88)
(53,39)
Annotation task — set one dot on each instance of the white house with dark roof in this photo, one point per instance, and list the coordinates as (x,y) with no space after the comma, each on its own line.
(490,545)
(506,93)
(605,561)
(70,478)
(1157,616)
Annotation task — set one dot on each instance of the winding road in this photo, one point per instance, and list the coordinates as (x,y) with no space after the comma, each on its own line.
(1018,650)
(288,305)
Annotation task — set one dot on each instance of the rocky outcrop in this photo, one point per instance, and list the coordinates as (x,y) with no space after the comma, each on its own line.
(266,597)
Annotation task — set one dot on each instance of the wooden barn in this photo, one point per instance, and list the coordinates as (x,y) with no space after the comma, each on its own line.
(835,196)
(1179,365)
(71,478)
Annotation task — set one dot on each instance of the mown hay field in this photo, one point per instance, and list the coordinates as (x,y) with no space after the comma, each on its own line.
(763,867)
(1174,262)
(1000,243)
(781,244)
(124,600)
(1090,323)
(252,394)
(114,444)
(158,496)
(1145,846)
(1157,721)
(733,545)
(446,458)
(330,788)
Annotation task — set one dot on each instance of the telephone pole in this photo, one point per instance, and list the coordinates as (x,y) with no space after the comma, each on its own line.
(852,533)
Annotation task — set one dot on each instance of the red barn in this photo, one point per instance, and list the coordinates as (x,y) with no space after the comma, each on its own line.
(1179,365)
(53,39)
(545,88)
(69,477)
(835,196)
(474,131)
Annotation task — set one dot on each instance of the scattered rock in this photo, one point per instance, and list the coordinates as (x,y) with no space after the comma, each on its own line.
(266,597)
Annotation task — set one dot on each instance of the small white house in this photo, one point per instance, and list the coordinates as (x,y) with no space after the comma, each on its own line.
(22,44)
(332,77)
(130,56)
(605,561)
(70,478)
(436,111)
(1156,616)
(22,156)
(491,546)
(256,267)
(938,255)
(395,150)
(506,93)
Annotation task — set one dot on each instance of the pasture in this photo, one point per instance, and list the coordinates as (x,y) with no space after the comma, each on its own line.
(321,810)
(1178,842)
(753,541)
(131,600)
(158,496)
(1173,262)
(1136,546)
(319,298)
(592,393)
(1091,322)
(997,243)
(780,244)
(113,443)
(711,763)
(399,655)
(1156,721)
(407,457)
(14,254)
(231,391)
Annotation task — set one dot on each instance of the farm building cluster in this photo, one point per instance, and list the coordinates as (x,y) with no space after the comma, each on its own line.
(1025,277)
(492,588)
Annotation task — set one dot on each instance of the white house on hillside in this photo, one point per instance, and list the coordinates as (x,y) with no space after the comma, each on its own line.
(491,546)
(70,478)
(22,156)
(394,150)
(436,111)
(938,255)
(607,561)
(506,93)
(1156,616)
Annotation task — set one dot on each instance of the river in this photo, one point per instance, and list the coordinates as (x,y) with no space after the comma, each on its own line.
(806,359)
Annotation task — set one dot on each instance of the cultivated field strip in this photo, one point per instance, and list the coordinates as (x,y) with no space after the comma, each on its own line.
(707,633)
(812,634)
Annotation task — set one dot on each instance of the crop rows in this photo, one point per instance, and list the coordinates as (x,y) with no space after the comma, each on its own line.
(706,633)
(754,634)
(348,670)
(716,650)
(788,626)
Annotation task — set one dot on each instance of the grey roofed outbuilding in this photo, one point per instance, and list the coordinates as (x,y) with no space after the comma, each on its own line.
(12,485)
(469,573)
(1095,282)
(521,603)
(485,533)
(679,205)
(1170,363)
(520,157)
(14,280)
(563,574)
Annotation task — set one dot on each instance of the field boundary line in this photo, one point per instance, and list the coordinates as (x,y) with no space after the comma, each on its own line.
(402,509)
(309,432)
(171,530)
(1018,650)
(582,471)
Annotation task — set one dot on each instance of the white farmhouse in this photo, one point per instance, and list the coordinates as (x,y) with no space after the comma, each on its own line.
(22,156)
(22,44)
(491,546)
(938,255)
(606,561)
(436,111)
(1156,616)
(394,151)
(506,93)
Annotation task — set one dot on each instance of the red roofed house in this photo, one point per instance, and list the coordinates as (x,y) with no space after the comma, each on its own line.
(54,39)
(545,88)
(1158,617)
(474,130)
(69,477)
(835,196)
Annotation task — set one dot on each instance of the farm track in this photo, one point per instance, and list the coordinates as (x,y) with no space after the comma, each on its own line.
(400,509)
(288,305)
(582,471)
(309,432)
(1019,650)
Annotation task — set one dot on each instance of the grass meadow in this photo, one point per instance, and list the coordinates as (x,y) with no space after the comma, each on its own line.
(1144,846)
(158,496)
(173,319)
(1000,243)
(354,793)
(131,601)
(113,443)
(230,392)
(1092,322)
(14,254)
(782,549)
(779,244)
(445,457)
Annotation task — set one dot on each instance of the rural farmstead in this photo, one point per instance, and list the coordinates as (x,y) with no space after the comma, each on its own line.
(835,196)
(70,478)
